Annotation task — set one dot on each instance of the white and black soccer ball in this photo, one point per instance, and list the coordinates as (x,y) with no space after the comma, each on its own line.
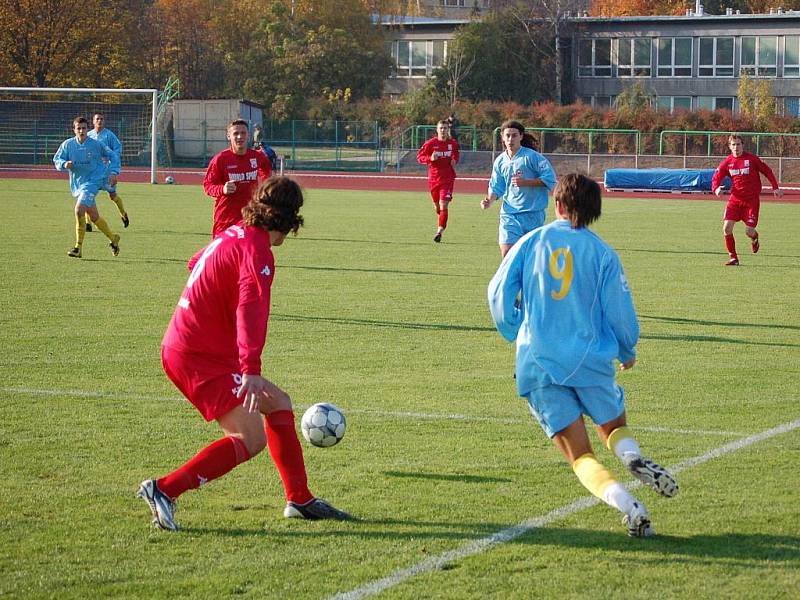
(169,180)
(323,425)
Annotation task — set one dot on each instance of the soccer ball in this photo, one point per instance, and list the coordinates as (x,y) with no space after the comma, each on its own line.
(169,180)
(323,425)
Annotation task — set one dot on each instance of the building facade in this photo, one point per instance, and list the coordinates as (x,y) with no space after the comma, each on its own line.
(689,62)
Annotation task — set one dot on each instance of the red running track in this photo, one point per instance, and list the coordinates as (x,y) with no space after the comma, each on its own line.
(378,182)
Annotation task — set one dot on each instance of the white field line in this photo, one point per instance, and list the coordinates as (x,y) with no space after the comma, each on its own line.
(507,535)
(382,413)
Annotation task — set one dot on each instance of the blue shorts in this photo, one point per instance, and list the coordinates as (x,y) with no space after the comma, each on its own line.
(514,226)
(558,406)
(87,198)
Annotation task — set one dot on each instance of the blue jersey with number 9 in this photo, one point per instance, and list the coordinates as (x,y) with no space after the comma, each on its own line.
(575,314)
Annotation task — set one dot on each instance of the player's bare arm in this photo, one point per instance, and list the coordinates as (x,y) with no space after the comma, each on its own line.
(487,202)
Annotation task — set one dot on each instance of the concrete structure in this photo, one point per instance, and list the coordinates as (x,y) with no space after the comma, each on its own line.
(691,61)
(200,125)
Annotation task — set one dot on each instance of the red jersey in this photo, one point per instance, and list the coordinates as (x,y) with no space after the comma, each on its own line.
(439,170)
(224,308)
(245,171)
(745,172)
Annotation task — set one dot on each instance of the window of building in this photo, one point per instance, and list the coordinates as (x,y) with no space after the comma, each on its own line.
(674,57)
(760,56)
(791,56)
(417,58)
(715,102)
(792,106)
(673,103)
(633,57)
(594,58)
(716,57)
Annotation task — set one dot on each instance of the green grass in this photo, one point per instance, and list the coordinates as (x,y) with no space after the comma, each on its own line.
(369,314)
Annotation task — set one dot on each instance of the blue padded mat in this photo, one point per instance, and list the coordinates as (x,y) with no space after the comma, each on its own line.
(689,180)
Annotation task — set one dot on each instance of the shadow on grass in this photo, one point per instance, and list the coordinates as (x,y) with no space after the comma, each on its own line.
(746,548)
(718,323)
(393,271)
(715,339)
(742,550)
(374,323)
(428,242)
(447,477)
(721,253)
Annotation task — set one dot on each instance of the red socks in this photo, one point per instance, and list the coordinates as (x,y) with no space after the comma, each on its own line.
(443,218)
(287,454)
(218,458)
(211,462)
(730,245)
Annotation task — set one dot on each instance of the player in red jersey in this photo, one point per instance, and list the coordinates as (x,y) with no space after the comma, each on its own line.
(212,353)
(745,170)
(232,175)
(441,154)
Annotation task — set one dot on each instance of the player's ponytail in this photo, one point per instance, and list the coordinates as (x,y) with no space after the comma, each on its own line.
(275,206)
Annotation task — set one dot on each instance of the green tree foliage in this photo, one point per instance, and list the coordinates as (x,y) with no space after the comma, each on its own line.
(502,54)
(632,100)
(756,100)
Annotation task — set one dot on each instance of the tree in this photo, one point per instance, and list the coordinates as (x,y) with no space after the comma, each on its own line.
(629,8)
(457,67)
(632,100)
(48,42)
(534,18)
(505,68)
(755,98)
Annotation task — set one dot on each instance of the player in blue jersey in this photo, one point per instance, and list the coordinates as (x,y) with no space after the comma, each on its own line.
(523,178)
(104,135)
(575,316)
(85,159)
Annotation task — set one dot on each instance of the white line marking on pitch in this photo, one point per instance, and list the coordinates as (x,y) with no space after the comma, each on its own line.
(512,533)
(381,413)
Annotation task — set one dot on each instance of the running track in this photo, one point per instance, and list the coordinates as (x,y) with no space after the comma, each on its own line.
(378,182)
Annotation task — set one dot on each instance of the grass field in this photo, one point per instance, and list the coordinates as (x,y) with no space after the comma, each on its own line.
(440,455)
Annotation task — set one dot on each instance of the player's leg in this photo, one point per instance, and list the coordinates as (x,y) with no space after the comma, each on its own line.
(88,223)
(80,230)
(287,454)
(102,225)
(558,410)
(117,199)
(214,396)
(750,224)
(732,214)
(444,204)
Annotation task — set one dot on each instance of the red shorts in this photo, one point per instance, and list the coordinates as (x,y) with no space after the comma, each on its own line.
(443,191)
(209,384)
(736,210)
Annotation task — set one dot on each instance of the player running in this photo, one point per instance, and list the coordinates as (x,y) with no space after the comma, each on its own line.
(441,153)
(574,318)
(212,353)
(745,170)
(85,159)
(105,136)
(233,175)
(523,178)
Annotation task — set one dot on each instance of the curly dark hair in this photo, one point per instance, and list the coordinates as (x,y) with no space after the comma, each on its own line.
(275,206)
(529,141)
(580,199)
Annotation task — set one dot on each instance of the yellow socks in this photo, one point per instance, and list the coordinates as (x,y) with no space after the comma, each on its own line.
(80,229)
(592,475)
(103,226)
(118,201)
(602,484)
(621,442)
